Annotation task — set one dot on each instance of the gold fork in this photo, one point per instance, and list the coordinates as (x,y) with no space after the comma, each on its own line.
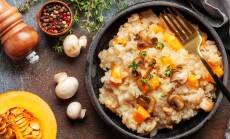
(191,40)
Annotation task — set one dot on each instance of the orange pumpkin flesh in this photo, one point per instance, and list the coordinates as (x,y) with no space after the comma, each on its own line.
(38,117)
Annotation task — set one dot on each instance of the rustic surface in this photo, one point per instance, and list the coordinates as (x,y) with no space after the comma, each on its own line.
(20,75)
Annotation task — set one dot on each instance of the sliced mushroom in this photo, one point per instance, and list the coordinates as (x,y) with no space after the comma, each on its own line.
(180,74)
(154,40)
(139,60)
(141,69)
(176,102)
(206,104)
(147,102)
(152,63)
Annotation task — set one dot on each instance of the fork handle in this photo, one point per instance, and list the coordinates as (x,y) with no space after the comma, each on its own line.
(222,87)
(219,83)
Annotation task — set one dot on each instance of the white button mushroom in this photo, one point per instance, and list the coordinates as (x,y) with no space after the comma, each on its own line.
(75,111)
(72,45)
(66,87)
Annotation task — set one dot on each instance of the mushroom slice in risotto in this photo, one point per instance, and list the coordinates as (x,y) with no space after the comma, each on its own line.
(176,102)
(180,74)
(147,102)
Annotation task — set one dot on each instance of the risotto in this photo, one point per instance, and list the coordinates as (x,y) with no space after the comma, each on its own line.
(150,80)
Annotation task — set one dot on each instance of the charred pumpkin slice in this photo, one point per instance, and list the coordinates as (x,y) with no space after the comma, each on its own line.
(24,115)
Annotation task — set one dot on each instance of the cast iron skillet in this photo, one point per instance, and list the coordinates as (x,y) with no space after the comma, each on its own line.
(94,73)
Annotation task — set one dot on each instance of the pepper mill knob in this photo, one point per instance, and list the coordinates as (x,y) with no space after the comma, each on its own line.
(17,38)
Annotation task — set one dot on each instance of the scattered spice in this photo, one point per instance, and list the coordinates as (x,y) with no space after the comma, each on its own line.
(55,18)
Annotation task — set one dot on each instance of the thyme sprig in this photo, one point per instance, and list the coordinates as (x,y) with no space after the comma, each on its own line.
(143,53)
(168,71)
(160,45)
(26,6)
(89,13)
(58,46)
(144,81)
(134,66)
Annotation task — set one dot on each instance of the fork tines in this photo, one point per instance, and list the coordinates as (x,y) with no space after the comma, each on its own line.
(177,23)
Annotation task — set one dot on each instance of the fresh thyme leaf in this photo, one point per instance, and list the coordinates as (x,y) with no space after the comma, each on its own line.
(143,54)
(26,6)
(150,76)
(169,71)
(160,45)
(134,66)
(144,81)
(164,95)
(122,7)
(58,48)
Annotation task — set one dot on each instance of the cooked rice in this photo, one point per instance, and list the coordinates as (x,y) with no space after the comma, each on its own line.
(122,99)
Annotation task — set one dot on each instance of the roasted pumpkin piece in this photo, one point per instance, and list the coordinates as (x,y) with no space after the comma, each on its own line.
(172,41)
(121,41)
(117,75)
(193,82)
(164,61)
(148,84)
(141,114)
(217,69)
(24,115)
(158,29)
(203,43)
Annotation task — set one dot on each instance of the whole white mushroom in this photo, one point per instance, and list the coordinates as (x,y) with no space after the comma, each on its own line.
(72,45)
(66,87)
(75,111)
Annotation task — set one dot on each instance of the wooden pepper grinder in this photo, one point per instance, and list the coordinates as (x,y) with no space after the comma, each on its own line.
(18,39)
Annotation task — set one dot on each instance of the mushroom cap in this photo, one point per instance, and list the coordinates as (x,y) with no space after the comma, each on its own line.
(74,110)
(71,46)
(67,88)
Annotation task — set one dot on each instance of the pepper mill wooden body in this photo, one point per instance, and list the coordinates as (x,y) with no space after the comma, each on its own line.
(18,39)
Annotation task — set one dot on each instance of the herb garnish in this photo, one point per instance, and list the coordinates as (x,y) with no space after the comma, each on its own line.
(134,66)
(58,46)
(164,95)
(160,45)
(89,14)
(143,54)
(169,71)
(144,81)
(26,6)
(150,76)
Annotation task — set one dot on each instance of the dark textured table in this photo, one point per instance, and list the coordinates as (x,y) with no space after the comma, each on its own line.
(38,78)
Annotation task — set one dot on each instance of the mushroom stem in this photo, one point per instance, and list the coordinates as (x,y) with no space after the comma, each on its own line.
(83,41)
(75,111)
(82,114)
(59,77)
